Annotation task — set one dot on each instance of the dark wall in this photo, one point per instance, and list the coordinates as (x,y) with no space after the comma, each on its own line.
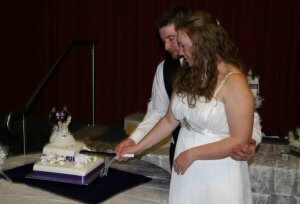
(34,32)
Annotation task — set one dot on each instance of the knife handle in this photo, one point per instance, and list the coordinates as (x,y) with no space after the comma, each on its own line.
(128,155)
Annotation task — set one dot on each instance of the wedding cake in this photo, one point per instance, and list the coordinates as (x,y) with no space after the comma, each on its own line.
(61,159)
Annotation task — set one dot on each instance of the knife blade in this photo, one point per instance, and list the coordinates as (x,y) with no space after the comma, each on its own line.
(104,154)
(101,153)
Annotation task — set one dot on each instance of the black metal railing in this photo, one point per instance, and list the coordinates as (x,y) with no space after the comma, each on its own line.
(15,121)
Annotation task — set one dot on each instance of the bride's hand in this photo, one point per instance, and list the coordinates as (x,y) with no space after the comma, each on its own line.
(182,162)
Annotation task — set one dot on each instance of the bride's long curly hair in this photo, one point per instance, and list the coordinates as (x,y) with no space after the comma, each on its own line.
(211,44)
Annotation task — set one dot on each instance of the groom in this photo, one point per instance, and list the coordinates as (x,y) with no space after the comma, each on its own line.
(162,89)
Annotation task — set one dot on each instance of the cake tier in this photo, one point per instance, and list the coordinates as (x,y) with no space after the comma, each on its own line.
(68,172)
(52,148)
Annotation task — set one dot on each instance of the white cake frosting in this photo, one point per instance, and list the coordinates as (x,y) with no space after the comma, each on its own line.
(67,160)
(67,167)
(66,151)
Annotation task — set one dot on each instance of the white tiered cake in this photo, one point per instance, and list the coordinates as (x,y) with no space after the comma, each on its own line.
(61,160)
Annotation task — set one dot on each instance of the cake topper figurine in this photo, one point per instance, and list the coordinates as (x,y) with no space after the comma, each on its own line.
(60,121)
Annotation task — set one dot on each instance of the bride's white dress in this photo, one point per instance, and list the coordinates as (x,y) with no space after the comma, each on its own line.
(222,181)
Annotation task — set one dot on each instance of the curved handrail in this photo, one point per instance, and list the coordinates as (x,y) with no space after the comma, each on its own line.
(28,105)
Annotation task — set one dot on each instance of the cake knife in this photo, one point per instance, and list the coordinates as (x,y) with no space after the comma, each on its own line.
(105,154)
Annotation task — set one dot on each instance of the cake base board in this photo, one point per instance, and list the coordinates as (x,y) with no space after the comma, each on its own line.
(66,178)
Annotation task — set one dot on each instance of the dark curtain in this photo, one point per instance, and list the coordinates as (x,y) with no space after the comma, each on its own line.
(34,32)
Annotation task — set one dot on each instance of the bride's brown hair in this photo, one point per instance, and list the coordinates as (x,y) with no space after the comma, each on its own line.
(211,44)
